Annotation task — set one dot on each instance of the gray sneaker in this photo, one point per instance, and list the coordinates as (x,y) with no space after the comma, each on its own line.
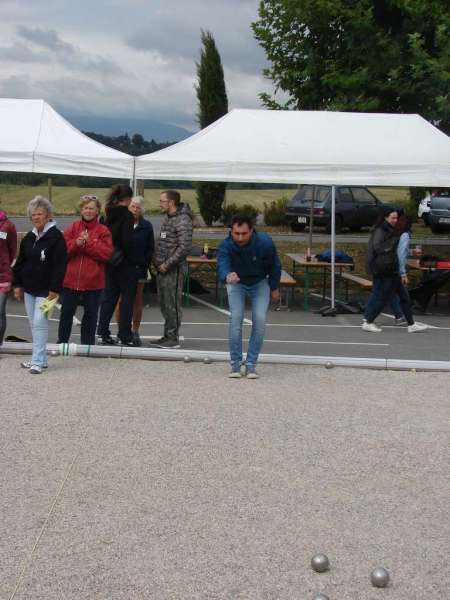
(35,370)
(250,373)
(400,321)
(27,364)
(167,343)
(235,373)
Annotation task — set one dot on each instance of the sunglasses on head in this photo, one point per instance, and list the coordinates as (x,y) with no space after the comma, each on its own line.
(88,197)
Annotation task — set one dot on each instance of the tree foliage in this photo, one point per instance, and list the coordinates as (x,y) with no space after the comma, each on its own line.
(365,55)
(212,104)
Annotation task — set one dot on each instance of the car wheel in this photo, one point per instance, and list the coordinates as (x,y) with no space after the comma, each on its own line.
(298,227)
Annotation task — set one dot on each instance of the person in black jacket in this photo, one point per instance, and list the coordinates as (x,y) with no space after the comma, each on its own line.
(38,274)
(141,256)
(121,273)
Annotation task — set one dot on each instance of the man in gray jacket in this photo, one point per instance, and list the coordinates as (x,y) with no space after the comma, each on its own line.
(172,247)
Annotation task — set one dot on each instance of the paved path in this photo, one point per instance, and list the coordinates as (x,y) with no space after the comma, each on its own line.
(125,480)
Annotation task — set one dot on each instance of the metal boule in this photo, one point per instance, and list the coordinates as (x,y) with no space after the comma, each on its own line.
(207,360)
(187,359)
(379,577)
(329,365)
(320,563)
(320,596)
(54,353)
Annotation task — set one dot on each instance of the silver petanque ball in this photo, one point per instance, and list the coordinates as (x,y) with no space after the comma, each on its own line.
(329,365)
(379,577)
(320,597)
(320,563)
(207,360)
(54,353)
(187,359)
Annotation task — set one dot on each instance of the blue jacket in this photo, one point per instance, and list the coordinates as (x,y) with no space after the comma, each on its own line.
(253,262)
(142,246)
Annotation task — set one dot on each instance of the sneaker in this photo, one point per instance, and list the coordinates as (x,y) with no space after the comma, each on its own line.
(35,370)
(400,321)
(235,373)
(137,339)
(159,341)
(417,328)
(167,343)
(371,327)
(107,340)
(251,373)
(28,364)
(125,342)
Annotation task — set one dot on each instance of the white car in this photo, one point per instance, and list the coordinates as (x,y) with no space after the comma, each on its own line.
(424,206)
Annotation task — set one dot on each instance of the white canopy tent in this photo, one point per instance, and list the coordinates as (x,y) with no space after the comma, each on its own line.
(35,138)
(308,147)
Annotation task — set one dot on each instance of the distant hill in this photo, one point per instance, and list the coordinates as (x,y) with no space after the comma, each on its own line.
(110,126)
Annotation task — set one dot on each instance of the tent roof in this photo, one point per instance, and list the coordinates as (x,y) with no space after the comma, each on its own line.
(308,147)
(35,138)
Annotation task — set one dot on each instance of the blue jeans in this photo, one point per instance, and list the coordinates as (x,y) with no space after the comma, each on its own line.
(384,288)
(39,329)
(260,296)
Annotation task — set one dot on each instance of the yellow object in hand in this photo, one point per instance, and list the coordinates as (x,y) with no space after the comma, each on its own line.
(47,307)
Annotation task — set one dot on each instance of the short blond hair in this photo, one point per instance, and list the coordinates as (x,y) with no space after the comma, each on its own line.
(39,202)
(88,198)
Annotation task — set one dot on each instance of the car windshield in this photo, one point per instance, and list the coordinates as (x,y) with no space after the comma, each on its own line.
(305,195)
(441,193)
(441,203)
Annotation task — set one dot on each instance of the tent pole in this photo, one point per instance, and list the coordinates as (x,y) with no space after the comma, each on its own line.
(333,243)
(134,184)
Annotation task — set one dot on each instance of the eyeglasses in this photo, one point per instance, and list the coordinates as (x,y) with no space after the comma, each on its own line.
(89,197)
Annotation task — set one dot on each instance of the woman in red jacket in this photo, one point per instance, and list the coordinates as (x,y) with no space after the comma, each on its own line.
(8,248)
(89,246)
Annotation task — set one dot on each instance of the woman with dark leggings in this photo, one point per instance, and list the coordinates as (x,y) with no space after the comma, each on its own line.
(8,247)
(121,273)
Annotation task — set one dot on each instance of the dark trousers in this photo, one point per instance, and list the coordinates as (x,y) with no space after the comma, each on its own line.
(120,281)
(70,299)
(3,298)
(383,290)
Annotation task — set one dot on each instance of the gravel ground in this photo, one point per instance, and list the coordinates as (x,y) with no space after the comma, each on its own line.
(154,480)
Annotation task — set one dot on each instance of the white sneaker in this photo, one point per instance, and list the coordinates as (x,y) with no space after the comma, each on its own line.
(28,364)
(235,375)
(417,327)
(371,327)
(35,370)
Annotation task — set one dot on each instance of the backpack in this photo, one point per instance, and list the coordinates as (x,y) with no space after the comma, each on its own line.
(339,256)
(385,261)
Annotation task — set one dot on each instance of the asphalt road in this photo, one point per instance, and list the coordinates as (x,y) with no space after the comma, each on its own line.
(23,224)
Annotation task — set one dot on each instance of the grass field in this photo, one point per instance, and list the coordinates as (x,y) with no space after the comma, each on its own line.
(14,198)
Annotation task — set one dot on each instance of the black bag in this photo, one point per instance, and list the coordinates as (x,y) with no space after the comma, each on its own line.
(385,261)
(117,258)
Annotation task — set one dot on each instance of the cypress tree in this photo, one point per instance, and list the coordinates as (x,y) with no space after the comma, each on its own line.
(212,104)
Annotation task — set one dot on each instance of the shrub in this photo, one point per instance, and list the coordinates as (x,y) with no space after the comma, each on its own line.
(232,209)
(275,212)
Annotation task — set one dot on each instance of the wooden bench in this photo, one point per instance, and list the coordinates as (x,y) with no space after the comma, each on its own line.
(363,283)
(287,284)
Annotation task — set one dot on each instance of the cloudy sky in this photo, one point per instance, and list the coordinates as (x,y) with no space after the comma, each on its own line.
(126,57)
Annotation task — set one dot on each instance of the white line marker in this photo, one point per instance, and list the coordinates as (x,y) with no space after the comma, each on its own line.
(221,310)
(291,342)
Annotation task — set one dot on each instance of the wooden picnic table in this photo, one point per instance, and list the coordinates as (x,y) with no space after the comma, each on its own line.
(201,263)
(299,261)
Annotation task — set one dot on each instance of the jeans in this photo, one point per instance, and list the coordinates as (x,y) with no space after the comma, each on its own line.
(383,289)
(39,329)
(260,296)
(70,299)
(120,281)
(394,303)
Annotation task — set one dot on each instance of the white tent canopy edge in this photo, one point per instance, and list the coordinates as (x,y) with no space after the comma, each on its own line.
(34,138)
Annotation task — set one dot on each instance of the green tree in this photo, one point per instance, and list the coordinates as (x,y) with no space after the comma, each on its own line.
(212,104)
(369,55)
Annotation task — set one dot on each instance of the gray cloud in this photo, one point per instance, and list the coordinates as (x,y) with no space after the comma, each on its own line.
(19,52)
(57,50)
